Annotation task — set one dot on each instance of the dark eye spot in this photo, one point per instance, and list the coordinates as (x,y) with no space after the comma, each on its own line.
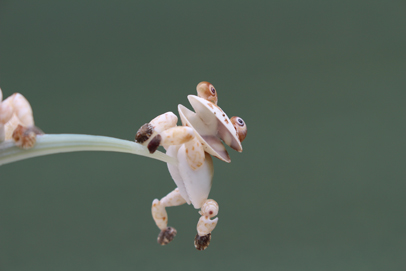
(240,121)
(213,90)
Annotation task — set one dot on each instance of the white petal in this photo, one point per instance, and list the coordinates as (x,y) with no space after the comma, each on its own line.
(194,153)
(21,107)
(177,135)
(211,143)
(197,182)
(175,174)
(164,122)
(215,118)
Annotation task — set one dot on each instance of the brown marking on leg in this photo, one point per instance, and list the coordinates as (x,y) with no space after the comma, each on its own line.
(202,242)
(154,143)
(166,236)
(144,133)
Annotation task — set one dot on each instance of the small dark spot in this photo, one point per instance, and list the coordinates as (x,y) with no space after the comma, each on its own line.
(154,144)
(224,115)
(211,212)
(240,121)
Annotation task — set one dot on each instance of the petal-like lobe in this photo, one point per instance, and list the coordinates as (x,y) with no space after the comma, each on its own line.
(21,108)
(197,182)
(175,174)
(216,120)
(194,153)
(211,143)
(164,122)
(176,135)
(6,112)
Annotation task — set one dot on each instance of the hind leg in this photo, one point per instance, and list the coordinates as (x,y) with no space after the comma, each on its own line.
(206,225)
(161,217)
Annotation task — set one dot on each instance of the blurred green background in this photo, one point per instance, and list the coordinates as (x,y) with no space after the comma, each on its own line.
(321,85)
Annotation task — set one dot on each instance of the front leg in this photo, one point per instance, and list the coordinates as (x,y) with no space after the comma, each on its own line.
(154,127)
(162,131)
(160,215)
(206,225)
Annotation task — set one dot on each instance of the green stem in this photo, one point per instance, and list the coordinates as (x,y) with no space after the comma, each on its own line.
(50,144)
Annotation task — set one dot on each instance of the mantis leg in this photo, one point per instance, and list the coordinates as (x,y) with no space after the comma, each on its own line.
(160,215)
(206,225)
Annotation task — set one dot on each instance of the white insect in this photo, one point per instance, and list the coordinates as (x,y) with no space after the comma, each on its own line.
(16,121)
(192,144)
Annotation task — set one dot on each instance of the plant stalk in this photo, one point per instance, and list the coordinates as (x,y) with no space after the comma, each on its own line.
(60,143)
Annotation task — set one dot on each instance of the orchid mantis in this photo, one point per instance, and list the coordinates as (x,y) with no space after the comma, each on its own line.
(192,144)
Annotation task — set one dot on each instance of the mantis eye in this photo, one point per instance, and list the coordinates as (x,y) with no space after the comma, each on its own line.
(213,90)
(240,121)
(240,127)
(207,91)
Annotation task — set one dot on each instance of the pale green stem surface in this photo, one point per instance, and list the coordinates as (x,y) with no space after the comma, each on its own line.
(59,143)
